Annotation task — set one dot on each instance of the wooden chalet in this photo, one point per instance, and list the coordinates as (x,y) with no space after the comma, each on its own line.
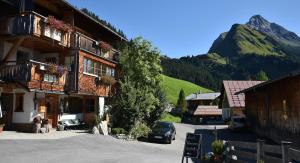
(203,105)
(273,108)
(55,61)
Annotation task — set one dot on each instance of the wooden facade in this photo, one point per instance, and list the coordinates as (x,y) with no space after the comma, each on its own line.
(47,60)
(273,109)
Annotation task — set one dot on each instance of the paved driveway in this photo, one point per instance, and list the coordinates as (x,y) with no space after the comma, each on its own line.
(95,148)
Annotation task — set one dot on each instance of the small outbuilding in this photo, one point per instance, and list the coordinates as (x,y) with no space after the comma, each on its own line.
(203,106)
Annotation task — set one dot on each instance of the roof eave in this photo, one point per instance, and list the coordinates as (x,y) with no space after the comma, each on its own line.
(104,26)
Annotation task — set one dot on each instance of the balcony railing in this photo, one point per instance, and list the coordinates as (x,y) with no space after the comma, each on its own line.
(90,45)
(32,23)
(35,75)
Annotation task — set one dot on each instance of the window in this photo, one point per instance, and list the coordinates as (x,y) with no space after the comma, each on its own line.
(90,105)
(110,71)
(51,60)
(22,57)
(19,102)
(99,69)
(69,61)
(50,78)
(88,66)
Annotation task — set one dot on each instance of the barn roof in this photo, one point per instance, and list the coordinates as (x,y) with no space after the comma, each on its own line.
(203,96)
(263,84)
(232,87)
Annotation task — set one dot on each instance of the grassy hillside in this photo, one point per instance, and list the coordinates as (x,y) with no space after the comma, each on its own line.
(172,88)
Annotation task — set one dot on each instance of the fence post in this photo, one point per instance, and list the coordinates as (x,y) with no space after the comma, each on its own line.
(216,133)
(259,149)
(285,149)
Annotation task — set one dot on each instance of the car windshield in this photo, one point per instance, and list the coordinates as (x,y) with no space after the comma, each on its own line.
(162,125)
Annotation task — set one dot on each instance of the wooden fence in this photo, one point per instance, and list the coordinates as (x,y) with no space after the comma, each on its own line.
(243,152)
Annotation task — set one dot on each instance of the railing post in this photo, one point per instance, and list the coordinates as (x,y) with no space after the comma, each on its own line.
(260,151)
(216,133)
(285,149)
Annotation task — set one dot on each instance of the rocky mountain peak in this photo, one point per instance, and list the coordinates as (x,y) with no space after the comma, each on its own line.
(259,23)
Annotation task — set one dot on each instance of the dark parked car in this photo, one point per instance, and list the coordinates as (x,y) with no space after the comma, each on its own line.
(163,131)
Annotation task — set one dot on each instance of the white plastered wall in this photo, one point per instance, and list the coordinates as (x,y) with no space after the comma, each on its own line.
(28,107)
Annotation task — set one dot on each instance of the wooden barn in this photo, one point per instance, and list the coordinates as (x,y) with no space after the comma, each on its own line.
(273,108)
(231,103)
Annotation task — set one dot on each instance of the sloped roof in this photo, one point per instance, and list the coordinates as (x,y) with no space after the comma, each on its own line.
(232,87)
(263,84)
(203,96)
(208,110)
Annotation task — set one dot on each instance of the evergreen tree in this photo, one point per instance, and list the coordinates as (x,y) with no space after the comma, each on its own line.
(261,75)
(181,102)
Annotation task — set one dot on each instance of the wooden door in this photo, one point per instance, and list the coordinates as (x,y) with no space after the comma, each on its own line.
(7,100)
(51,102)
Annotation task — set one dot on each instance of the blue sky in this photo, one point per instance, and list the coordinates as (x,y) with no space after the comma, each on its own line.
(188,27)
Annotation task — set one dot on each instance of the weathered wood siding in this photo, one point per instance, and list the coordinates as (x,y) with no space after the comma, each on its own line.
(87,83)
(271,116)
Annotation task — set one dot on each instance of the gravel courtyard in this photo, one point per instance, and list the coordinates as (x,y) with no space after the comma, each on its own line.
(84,147)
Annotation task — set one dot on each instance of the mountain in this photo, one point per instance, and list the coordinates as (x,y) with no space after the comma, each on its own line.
(173,86)
(240,54)
(258,23)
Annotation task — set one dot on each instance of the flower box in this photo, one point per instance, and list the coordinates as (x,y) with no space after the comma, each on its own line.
(53,33)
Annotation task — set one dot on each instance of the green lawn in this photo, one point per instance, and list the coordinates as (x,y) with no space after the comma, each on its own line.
(172,88)
(167,117)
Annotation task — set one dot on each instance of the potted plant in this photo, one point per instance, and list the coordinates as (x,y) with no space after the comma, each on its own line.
(1,127)
(106,79)
(58,24)
(218,149)
(105,46)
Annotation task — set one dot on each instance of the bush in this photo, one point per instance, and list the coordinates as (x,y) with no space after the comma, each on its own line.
(139,130)
(116,131)
(97,120)
(218,147)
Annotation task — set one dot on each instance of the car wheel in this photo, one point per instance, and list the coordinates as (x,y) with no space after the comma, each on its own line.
(174,137)
(169,141)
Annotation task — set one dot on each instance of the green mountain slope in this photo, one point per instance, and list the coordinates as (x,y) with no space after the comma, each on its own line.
(240,54)
(173,86)
(241,39)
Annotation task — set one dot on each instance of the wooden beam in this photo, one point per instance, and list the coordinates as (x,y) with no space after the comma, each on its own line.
(13,49)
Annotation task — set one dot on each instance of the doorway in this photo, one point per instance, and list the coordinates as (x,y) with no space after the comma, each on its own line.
(51,102)
(7,100)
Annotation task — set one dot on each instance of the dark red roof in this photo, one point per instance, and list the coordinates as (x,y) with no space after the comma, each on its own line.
(231,87)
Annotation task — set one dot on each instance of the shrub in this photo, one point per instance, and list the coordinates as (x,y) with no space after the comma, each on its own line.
(139,130)
(97,120)
(218,147)
(116,131)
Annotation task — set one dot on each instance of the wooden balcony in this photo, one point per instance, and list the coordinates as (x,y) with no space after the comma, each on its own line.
(36,75)
(90,45)
(33,24)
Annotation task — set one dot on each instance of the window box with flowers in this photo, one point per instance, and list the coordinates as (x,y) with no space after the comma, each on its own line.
(56,29)
(109,80)
(53,72)
(105,49)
